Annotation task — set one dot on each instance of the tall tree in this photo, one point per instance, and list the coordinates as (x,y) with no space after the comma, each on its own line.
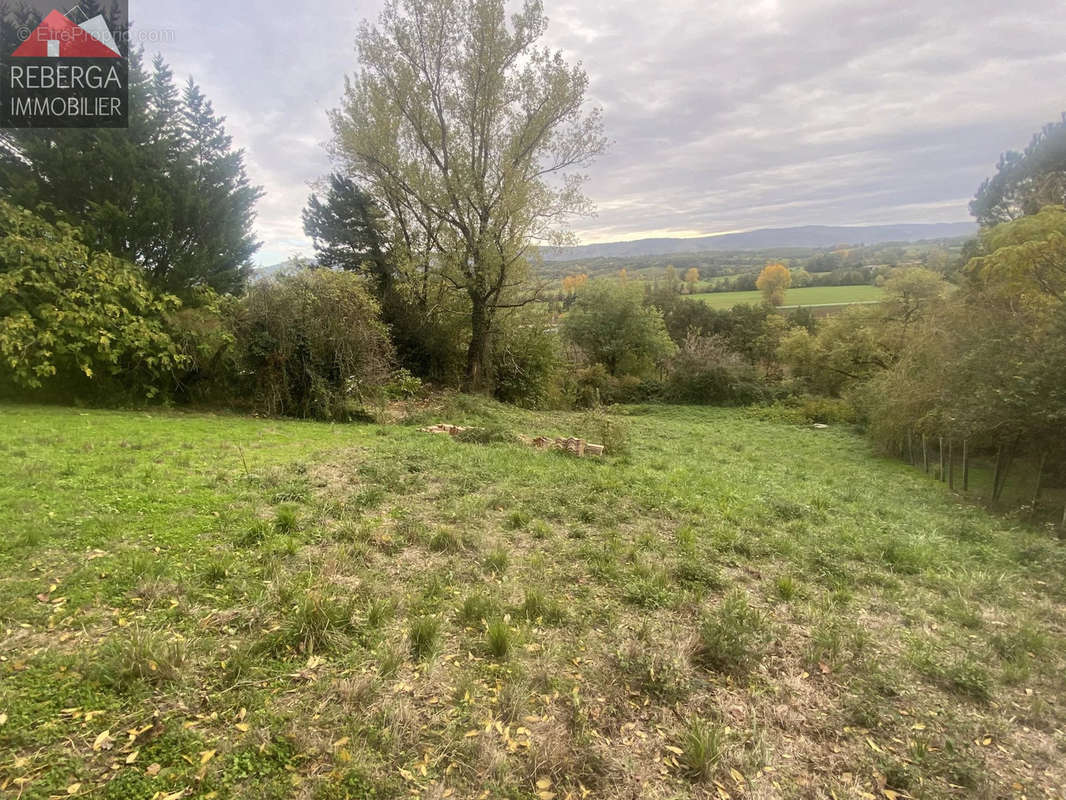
(773,282)
(1025,182)
(346,228)
(468,131)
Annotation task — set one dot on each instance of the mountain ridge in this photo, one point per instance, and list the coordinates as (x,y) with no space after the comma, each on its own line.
(812,236)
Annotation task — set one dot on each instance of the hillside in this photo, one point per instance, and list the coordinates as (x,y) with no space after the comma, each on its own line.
(202,605)
(809,236)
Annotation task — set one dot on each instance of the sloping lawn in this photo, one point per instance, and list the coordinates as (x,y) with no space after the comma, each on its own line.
(197,605)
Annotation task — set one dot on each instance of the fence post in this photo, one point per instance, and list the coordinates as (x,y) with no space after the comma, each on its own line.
(996,472)
(965,465)
(1039,483)
(951,464)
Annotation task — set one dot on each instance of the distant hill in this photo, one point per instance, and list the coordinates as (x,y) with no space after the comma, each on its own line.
(813,236)
(262,273)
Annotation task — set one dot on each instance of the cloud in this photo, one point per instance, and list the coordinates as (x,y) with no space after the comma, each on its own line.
(723,116)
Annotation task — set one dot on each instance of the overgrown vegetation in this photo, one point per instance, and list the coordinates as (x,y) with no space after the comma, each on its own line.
(286,604)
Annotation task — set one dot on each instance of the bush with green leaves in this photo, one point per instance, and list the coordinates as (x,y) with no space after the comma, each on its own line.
(75,321)
(611,325)
(706,371)
(526,361)
(313,345)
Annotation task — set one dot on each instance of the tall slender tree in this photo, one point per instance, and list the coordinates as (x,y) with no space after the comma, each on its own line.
(468,132)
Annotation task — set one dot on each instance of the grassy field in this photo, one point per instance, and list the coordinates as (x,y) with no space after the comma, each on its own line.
(808,296)
(195,605)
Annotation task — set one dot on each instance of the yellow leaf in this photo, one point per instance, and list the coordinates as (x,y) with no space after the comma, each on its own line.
(132,756)
(3,719)
(206,756)
(677,751)
(544,783)
(103,741)
(242,727)
(74,788)
(546,795)
(153,770)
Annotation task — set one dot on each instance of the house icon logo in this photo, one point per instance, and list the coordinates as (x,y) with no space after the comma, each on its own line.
(58,37)
(64,70)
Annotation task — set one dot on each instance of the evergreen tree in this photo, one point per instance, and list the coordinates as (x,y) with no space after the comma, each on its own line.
(346,230)
(169,193)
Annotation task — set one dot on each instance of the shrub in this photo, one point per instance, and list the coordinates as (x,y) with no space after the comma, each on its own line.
(593,386)
(526,361)
(599,427)
(706,371)
(611,325)
(404,386)
(490,434)
(313,345)
(76,321)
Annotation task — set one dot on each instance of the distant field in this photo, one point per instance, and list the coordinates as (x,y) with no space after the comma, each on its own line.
(812,296)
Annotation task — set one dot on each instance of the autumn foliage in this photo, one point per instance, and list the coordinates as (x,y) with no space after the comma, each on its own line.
(773,282)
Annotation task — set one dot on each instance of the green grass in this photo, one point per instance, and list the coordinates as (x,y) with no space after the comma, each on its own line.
(807,296)
(256,608)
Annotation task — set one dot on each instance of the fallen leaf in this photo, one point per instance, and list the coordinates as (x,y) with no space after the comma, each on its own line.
(153,770)
(544,783)
(132,756)
(103,741)
(74,788)
(206,756)
(242,727)
(3,718)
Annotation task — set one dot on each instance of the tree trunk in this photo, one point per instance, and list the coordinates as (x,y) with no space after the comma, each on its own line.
(942,476)
(477,354)
(996,470)
(910,449)
(966,465)
(1004,457)
(925,454)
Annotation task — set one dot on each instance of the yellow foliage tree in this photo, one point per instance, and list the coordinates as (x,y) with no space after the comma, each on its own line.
(773,282)
(692,277)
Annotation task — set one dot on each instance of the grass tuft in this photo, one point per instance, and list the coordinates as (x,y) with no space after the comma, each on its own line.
(422,637)
(498,639)
(285,520)
(732,639)
(139,655)
(703,746)
(497,561)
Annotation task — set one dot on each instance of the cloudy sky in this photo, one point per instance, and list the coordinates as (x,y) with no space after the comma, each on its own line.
(723,116)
